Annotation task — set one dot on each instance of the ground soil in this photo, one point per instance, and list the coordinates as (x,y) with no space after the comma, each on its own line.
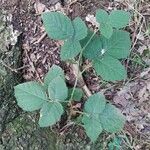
(131,96)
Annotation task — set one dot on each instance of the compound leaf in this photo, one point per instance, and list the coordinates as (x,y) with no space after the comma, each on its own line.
(119,18)
(70,49)
(102,18)
(93,107)
(57,89)
(30,96)
(80,29)
(50,113)
(57,25)
(106,30)
(78,94)
(93,49)
(109,68)
(95,104)
(92,127)
(118,45)
(111,119)
(54,72)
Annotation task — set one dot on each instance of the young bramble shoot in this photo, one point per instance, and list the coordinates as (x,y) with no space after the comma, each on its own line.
(57,25)
(33,96)
(104,53)
(102,116)
(117,19)
(60,27)
(98,116)
(104,49)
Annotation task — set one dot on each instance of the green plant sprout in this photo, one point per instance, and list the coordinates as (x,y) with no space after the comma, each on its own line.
(104,48)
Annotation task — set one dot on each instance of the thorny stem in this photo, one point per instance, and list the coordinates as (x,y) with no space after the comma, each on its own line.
(79,74)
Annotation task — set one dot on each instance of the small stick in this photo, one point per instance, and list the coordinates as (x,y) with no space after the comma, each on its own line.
(81,80)
(5,65)
(12,69)
(86,90)
(66,126)
(41,38)
(32,65)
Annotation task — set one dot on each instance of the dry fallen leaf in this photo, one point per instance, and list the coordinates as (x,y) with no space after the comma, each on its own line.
(91,19)
(39,7)
(141,49)
(145,72)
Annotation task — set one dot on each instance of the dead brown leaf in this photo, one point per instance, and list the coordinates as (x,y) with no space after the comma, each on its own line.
(39,7)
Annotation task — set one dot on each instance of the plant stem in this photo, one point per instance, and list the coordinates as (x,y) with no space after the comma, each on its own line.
(77,66)
(80,112)
(87,67)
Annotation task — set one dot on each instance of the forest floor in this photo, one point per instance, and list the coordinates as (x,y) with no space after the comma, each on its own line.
(131,96)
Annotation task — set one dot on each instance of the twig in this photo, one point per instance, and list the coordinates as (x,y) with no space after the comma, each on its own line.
(12,69)
(22,67)
(32,65)
(86,90)
(72,2)
(81,80)
(79,77)
(5,65)
(41,38)
(77,70)
(66,126)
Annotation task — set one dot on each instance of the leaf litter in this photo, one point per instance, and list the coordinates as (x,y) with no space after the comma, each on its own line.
(133,98)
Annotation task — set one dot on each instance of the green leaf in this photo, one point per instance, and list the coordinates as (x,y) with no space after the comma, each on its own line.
(118,45)
(78,94)
(70,49)
(119,18)
(54,72)
(95,104)
(57,89)
(93,107)
(115,144)
(106,30)
(92,127)
(109,69)
(30,96)
(57,25)
(80,29)
(102,18)
(50,113)
(93,49)
(111,119)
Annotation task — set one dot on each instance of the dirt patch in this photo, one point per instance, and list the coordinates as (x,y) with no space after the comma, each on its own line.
(131,96)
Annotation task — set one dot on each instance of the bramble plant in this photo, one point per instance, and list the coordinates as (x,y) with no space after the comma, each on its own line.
(104,48)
